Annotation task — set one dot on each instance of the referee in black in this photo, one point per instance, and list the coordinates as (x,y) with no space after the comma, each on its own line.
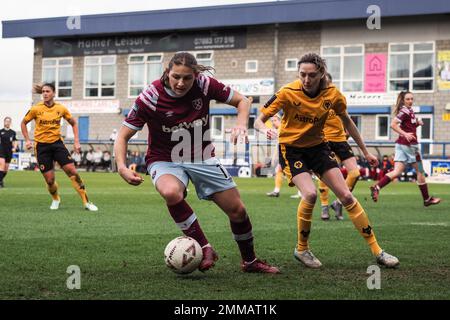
(8,145)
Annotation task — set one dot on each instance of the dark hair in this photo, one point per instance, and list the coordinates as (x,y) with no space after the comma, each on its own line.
(400,102)
(183,59)
(37,88)
(321,65)
(7,117)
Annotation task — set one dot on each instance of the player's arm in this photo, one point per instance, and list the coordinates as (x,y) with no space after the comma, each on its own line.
(260,126)
(395,125)
(24,129)
(351,128)
(15,143)
(242,105)
(272,107)
(120,150)
(76,136)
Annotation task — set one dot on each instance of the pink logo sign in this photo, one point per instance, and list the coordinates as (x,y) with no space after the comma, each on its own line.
(375,72)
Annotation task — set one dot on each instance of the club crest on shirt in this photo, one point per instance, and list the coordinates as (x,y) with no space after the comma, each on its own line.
(197,103)
(326,104)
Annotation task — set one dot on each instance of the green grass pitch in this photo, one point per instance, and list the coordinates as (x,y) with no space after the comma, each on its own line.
(120,249)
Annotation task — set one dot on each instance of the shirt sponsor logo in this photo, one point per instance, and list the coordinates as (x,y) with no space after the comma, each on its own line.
(187,125)
(45,122)
(306,119)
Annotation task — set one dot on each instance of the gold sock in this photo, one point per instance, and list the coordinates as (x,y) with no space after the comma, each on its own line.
(304,218)
(278,180)
(352,178)
(53,190)
(362,224)
(323,193)
(78,185)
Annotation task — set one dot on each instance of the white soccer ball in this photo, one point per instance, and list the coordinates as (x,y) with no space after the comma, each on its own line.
(183,255)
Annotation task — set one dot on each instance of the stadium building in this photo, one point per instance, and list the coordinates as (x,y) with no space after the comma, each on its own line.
(373,48)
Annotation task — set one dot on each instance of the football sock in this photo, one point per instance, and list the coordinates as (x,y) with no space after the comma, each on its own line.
(186,220)
(323,193)
(384,181)
(352,178)
(424,190)
(278,181)
(53,189)
(304,218)
(362,224)
(78,185)
(242,233)
(2,174)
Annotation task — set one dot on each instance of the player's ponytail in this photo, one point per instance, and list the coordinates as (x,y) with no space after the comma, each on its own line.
(37,88)
(183,59)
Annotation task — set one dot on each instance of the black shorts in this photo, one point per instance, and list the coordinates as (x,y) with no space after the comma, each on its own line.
(342,150)
(47,153)
(6,153)
(317,159)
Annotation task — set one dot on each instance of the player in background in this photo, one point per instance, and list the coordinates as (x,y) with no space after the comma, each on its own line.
(337,140)
(8,145)
(306,104)
(49,146)
(405,123)
(176,111)
(275,120)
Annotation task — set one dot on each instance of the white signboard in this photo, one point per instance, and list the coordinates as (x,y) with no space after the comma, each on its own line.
(252,87)
(93,106)
(370,99)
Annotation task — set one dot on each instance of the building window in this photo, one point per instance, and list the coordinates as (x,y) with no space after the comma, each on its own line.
(411,66)
(346,66)
(382,129)
(217,127)
(357,119)
(251,126)
(143,70)
(290,65)
(99,76)
(251,66)
(58,71)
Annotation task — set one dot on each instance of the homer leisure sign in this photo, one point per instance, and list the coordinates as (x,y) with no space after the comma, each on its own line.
(232,39)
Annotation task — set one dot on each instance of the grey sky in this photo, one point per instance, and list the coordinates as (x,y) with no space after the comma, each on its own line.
(16,55)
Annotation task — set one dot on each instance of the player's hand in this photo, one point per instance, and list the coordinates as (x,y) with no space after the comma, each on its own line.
(77,147)
(28,145)
(409,136)
(239,131)
(130,176)
(373,161)
(272,134)
(420,122)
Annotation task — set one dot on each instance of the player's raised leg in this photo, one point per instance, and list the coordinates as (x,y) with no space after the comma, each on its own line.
(173,192)
(334,179)
(52,188)
(79,186)
(302,252)
(230,202)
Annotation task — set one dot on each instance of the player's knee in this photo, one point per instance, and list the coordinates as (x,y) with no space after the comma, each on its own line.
(347,198)
(238,213)
(172,196)
(50,181)
(310,196)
